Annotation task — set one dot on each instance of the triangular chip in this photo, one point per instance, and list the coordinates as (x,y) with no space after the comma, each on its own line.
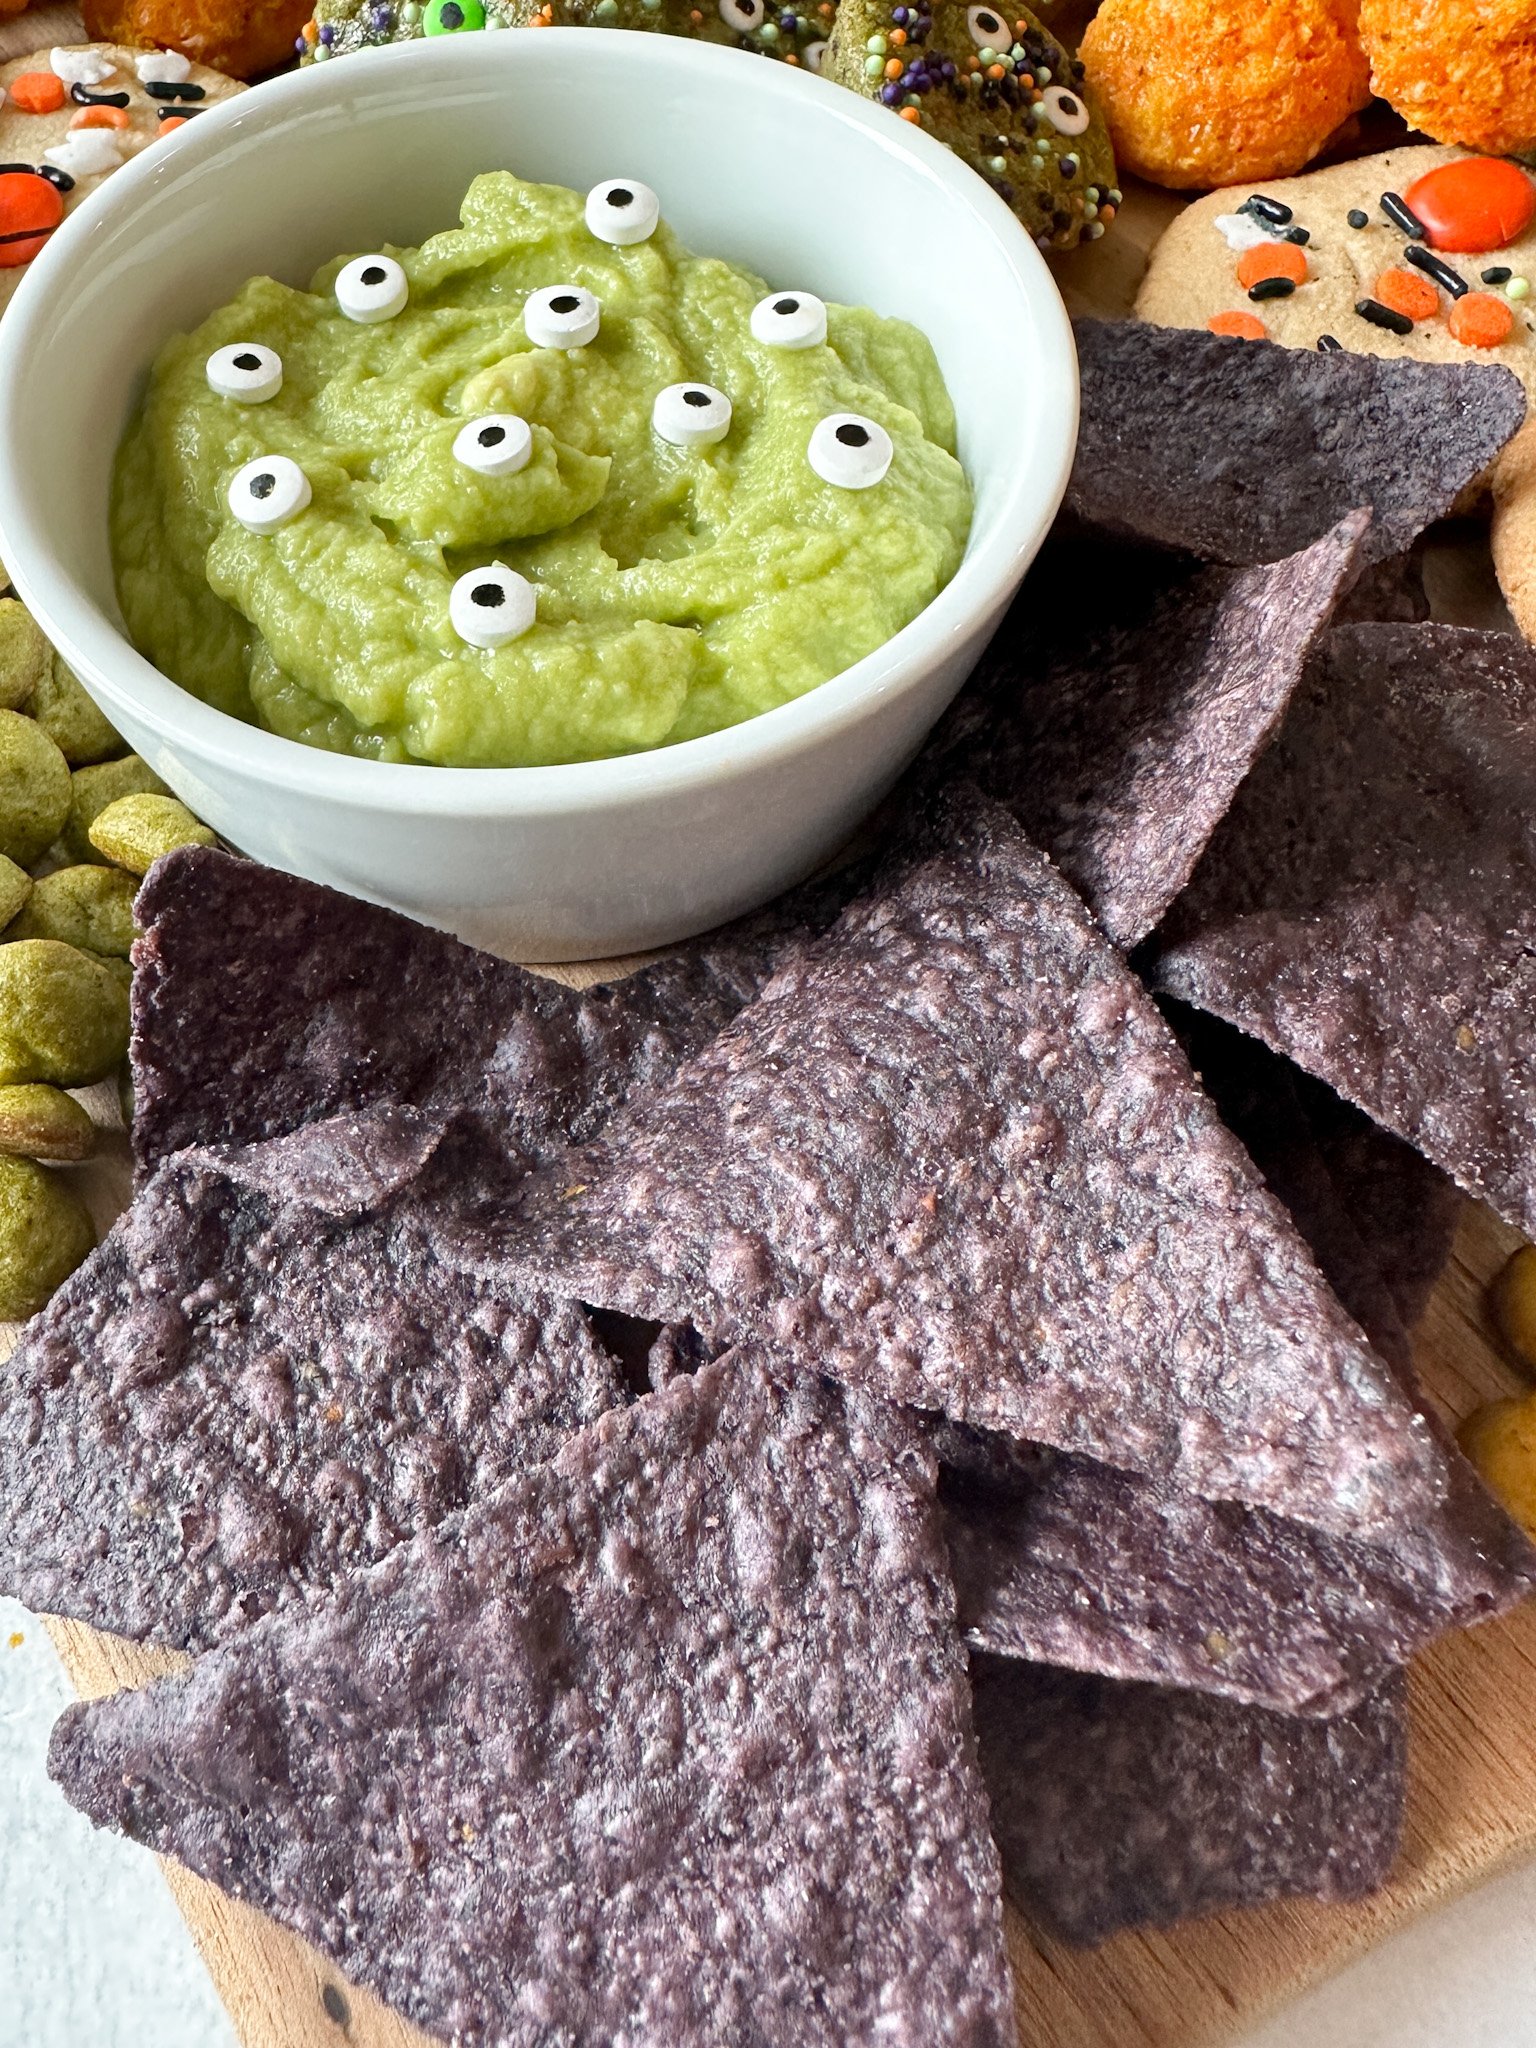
(1125,699)
(1245,451)
(1368,908)
(953,1154)
(1135,1805)
(668,1742)
(269,1373)
(261,1002)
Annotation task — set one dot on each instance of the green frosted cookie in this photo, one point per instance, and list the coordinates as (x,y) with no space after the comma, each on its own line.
(797,33)
(1001,91)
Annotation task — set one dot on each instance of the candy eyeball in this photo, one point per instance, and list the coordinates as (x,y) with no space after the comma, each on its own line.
(267,493)
(497,444)
(452,17)
(490,606)
(691,415)
(245,372)
(814,55)
(621,211)
(743,15)
(1065,111)
(790,320)
(988,30)
(372,288)
(561,316)
(849,451)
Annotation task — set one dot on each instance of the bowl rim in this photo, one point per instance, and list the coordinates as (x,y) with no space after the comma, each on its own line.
(995,557)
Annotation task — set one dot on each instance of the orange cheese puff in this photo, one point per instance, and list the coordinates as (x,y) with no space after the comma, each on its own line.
(37,92)
(243,37)
(1241,326)
(1406,292)
(1480,320)
(1459,70)
(1271,259)
(1224,92)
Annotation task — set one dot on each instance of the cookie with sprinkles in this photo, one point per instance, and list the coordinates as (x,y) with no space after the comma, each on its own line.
(1005,95)
(796,33)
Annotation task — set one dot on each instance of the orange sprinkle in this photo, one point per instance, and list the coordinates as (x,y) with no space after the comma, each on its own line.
(1480,320)
(790,57)
(1271,259)
(894,68)
(100,117)
(897,37)
(175,121)
(1244,326)
(910,114)
(1106,214)
(997,71)
(1406,292)
(38,92)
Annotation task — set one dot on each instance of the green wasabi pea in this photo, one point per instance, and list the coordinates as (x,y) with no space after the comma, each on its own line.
(92,789)
(88,907)
(34,789)
(70,719)
(63,1015)
(44,1234)
(25,656)
(39,1122)
(15,888)
(136,830)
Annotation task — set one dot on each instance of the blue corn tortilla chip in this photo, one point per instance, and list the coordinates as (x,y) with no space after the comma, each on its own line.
(952,1153)
(1244,453)
(1366,908)
(1125,699)
(1120,1806)
(670,1740)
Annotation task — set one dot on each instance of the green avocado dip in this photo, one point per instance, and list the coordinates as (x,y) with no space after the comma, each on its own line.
(678,559)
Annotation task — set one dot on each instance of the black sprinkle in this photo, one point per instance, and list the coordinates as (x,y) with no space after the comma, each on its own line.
(1067,165)
(1383,316)
(1272,288)
(174,113)
(1330,344)
(84,98)
(164,89)
(1275,211)
(1436,267)
(1401,215)
(1499,273)
(1357,218)
(51,172)
(1300,236)
(336,2008)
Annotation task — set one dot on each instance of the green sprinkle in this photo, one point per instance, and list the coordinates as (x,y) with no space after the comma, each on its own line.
(876,46)
(1043,75)
(1115,195)
(997,165)
(769,32)
(322,51)
(873,66)
(605,10)
(1090,211)
(987,56)
(1095,231)
(1518,288)
(912,100)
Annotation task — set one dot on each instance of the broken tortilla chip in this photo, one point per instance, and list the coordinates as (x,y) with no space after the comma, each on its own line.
(671,1739)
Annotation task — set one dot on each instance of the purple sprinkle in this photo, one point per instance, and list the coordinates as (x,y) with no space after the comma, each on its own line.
(327,33)
(301,46)
(891,94)
(900,16)
(948,69)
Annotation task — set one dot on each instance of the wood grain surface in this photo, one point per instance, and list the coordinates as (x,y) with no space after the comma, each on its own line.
(1472,1802)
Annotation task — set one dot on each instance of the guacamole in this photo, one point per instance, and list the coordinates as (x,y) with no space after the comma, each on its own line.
(677,522)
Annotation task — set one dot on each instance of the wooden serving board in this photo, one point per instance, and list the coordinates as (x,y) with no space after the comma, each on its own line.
(1472,1798)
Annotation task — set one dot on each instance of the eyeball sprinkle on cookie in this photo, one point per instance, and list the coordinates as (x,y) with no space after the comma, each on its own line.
(744,15)
(622,211)
(987,29)
(490,606)
(790,320)
(372,288)
(266,493)
(497,444)
(561,316)
(1064,110)
(245,372)
(691,415)
(850,451)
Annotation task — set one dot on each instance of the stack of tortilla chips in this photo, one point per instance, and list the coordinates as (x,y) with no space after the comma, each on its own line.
(685,1490)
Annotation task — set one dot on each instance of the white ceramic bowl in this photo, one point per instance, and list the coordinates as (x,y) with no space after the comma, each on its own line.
(790,174)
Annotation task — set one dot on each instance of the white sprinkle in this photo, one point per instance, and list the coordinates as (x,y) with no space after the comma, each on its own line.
(1242,231)
(88,153)
(79,67)
(167,67)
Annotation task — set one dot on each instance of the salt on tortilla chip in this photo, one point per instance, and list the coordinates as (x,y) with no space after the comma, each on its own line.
(671,1740)
(1125,699)
(953,1154)
(1134,1805)
(1247,453)
(1368,908)
(261,1002)
(259,1382)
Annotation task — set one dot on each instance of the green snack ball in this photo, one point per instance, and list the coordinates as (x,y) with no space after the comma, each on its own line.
(63,1015)
(25,656)
(136,830)
(34,789)
(15,888)
(70,719)
(85,906)
(44,1234)
(39,1122)
(452,17)
(92,789)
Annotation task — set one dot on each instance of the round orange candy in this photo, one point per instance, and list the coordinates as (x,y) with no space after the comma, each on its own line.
(1239,326)
(1480,320)
(1406,292)
(1271,259)
(1473,205)
(37,92)
(1458,70)
(30,210)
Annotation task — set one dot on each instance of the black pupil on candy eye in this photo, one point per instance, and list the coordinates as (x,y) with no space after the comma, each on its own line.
(989,22)
(1067,105)
(452,15)
(786,306)
(491,437)
(695,398)
(247,362)
(374,275)
(264,485)
(490,595)
(564,304)
(853,437)
(620,197)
